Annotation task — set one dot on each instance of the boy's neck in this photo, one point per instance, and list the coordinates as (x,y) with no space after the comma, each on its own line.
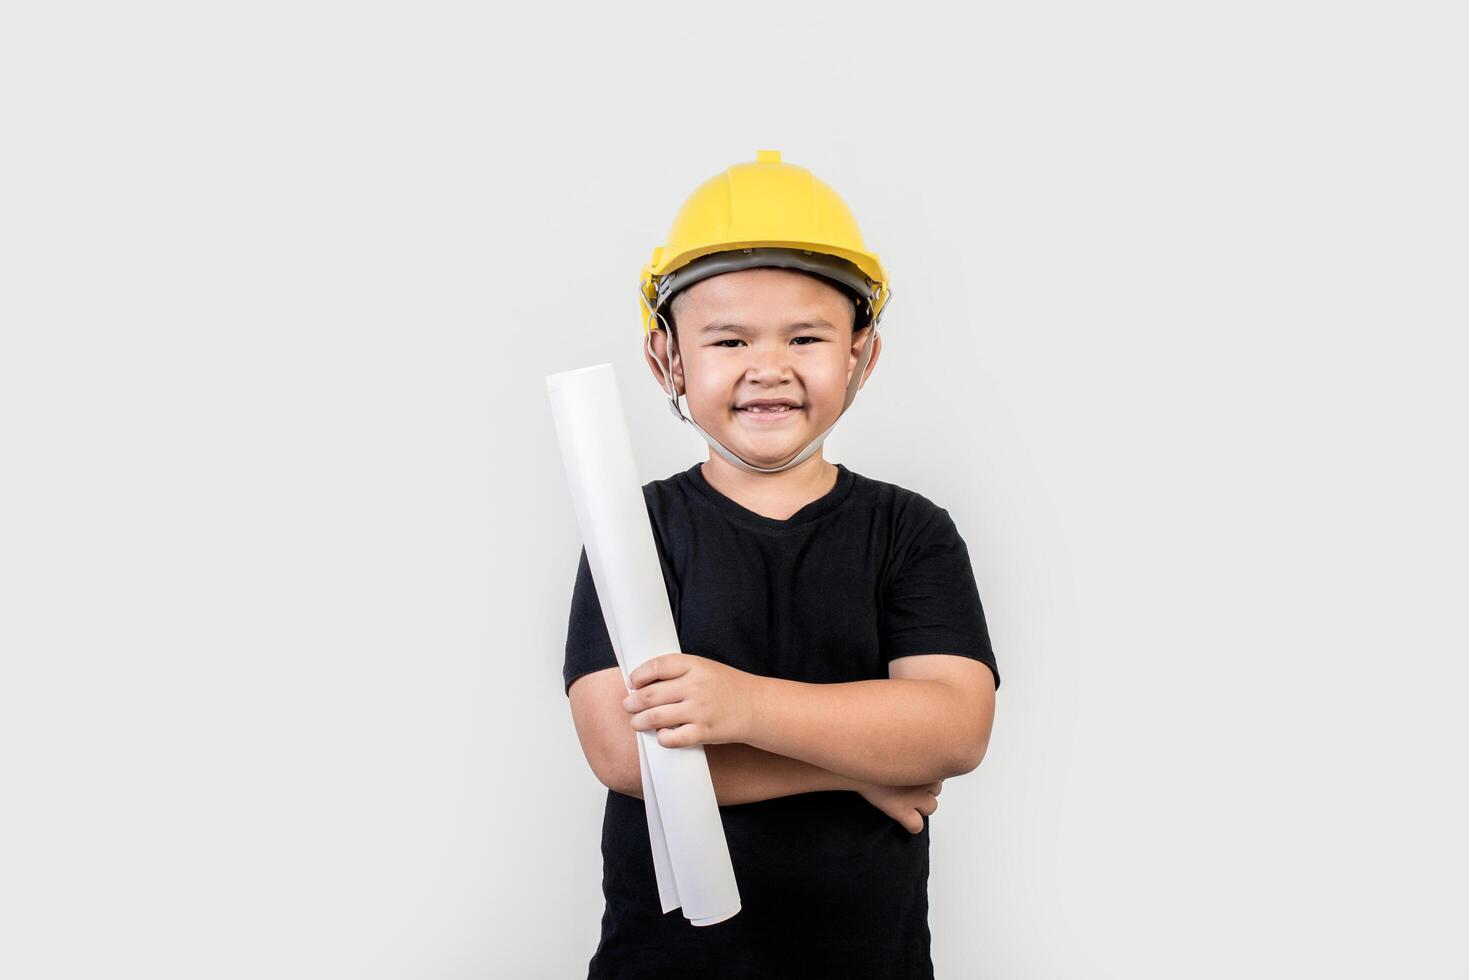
(774,495)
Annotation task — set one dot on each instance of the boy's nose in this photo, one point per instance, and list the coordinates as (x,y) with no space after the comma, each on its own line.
(771,366)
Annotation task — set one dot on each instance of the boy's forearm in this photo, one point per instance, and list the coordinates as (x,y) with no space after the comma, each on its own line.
(892,732)
(745,774)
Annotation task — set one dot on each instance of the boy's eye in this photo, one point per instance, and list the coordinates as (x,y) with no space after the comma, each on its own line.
(731,340)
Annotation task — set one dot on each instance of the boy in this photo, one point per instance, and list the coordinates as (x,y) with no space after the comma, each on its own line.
(837,664)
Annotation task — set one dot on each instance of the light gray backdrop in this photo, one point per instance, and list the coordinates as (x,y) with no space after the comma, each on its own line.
(287,551)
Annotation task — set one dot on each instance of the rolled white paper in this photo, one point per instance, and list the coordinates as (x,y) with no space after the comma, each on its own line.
(690,853)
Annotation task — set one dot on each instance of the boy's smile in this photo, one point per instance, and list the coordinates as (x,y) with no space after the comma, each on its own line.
(764,356)
(767,412)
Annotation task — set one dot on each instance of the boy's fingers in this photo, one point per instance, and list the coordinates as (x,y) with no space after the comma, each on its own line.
(663,716)
(678,736)
(935,787)
(658,668)
(653,694)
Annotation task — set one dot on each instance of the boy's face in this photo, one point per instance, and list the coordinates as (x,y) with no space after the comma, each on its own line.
(764,334)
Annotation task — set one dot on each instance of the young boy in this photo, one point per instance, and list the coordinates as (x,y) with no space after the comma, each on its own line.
(836,665)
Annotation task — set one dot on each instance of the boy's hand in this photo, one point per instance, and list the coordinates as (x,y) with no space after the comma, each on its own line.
(906,804)
(692,700)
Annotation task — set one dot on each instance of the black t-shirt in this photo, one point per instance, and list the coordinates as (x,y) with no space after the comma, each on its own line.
(829,885)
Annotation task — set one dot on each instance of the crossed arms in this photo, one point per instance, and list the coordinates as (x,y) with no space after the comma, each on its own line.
(766,737)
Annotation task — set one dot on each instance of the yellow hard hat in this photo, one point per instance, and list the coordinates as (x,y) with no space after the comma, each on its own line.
(764,214)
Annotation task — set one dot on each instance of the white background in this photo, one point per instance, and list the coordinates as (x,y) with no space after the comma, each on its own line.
(287,550)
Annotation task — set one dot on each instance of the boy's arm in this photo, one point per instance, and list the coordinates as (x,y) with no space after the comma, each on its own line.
(744,774)
(899,731)
(929,720)
(741,773)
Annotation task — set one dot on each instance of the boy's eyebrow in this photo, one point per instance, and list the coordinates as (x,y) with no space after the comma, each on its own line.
(816,324)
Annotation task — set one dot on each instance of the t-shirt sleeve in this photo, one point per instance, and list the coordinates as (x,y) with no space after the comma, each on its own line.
(931,604)
(588,645)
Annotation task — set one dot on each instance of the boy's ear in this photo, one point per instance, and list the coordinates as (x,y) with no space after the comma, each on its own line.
(658,340)
(858,339)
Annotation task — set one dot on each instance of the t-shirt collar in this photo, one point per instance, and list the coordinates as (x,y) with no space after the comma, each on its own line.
(815,509)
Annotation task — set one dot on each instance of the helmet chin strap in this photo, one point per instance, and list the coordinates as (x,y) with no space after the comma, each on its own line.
(666,370)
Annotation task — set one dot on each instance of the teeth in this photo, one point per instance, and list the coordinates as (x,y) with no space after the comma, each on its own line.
(772,408)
